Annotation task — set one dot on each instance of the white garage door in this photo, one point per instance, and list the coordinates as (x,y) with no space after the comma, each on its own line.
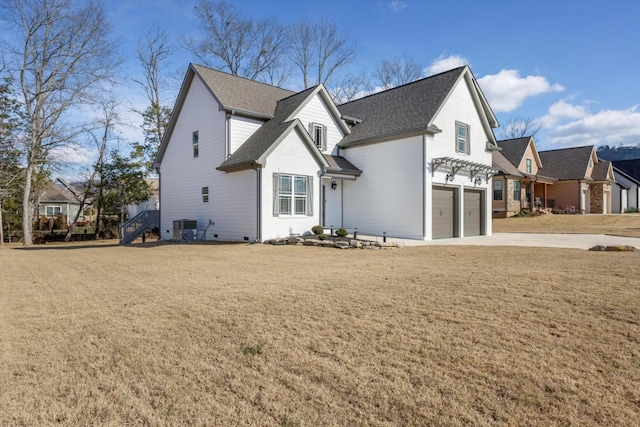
(443,212)
(472,213)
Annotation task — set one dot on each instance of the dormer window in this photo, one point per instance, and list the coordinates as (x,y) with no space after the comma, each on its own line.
(318,133)
(463,144)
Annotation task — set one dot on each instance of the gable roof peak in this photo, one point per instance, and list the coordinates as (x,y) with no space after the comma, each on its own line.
(240,93)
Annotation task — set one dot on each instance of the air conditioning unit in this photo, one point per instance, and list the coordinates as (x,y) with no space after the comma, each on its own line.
(185,229)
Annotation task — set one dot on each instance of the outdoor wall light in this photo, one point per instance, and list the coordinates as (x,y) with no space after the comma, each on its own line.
(477,181)
(334,185)
(449,177)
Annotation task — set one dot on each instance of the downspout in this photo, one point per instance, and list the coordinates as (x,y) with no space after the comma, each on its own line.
(258,170)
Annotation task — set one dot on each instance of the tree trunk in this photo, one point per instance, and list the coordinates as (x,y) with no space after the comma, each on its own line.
(27,238)
(1,227)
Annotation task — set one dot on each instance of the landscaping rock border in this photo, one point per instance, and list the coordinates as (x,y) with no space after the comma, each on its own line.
(616,248)
(339,244)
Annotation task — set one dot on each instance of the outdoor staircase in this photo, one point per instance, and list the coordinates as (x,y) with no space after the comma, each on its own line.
(139,224)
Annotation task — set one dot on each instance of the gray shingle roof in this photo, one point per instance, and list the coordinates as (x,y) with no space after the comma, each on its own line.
(54,193)
(341,165)
(566,163)
(258,144)
(505,166)
(239,93)
(600,171)
(514,149)
(402,109)
(630,167)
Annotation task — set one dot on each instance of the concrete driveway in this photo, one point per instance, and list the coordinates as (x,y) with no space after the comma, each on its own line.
(574,241)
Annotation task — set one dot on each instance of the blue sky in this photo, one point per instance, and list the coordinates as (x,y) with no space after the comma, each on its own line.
(574,64)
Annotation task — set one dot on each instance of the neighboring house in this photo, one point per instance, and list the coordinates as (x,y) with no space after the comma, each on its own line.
(59,198)
(569,180)
(519,183)
(249,161)
(584,183)
(627,193)
(152,203)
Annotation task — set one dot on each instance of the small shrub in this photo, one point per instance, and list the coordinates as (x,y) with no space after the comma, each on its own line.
(317,229)
(341,232)
(631,209)
(252,351)
(322,236)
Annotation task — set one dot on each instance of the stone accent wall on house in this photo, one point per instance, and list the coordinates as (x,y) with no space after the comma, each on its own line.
(513,206)
(596,198)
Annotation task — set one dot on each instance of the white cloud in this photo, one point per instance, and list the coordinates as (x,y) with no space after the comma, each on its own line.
(563,110)
(506,91)
(612,127)
(445,64)
(73,156)
(396,5)
(392,6)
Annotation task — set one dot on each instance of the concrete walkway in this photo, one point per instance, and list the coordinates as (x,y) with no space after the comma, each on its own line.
(574,241)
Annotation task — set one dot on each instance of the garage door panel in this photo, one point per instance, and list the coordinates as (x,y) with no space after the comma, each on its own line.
(443,212)
(472,213)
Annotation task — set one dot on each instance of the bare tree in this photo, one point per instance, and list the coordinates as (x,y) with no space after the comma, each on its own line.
(396,71)
(518,127)
(237,44)
(61,52)
(319,51)
(100,138)
(155,49)
(301,37)
(351,87)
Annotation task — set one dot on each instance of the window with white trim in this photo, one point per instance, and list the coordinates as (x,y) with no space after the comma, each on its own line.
(205,194)
(462,138)
(194,144)
(292,195)
(528,167)
(53,210)
(497,190)
(318,133)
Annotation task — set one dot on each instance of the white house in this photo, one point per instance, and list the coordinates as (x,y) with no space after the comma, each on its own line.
(626,193)
(251,162)
(152,203)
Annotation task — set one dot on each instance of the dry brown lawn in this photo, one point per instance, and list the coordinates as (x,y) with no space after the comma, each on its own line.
(618,225)
(261,335)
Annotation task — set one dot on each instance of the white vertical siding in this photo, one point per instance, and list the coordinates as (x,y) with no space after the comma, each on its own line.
(459,107)
(232,200)
(333,205)
(316,111)
(388,196)
(291,156)
(240,129)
